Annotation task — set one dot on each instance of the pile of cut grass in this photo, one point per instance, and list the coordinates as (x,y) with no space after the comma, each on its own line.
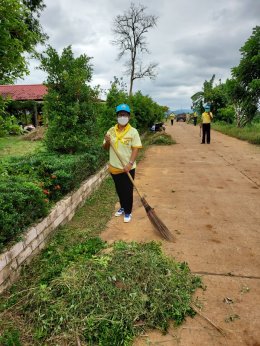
(160,138)
(110,297)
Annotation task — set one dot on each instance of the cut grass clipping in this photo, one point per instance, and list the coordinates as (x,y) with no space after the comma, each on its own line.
(109,298)
(161,138)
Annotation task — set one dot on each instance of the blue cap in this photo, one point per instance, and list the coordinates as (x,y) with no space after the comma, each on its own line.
(123,107)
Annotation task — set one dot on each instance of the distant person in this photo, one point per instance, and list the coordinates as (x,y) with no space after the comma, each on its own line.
(172,117)
(206,119)
(195,118)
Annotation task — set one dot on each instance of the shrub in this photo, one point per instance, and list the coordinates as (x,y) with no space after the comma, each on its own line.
(56,174)
(21,204)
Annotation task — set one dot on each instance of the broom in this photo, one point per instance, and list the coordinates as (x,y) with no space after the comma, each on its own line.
(156,222)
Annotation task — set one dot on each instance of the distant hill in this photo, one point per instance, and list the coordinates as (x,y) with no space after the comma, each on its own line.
(179,111)
(183,110)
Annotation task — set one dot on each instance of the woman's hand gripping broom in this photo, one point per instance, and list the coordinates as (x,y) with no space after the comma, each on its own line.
(156,222)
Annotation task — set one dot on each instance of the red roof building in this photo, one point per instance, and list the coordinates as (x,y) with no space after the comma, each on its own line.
(24,92)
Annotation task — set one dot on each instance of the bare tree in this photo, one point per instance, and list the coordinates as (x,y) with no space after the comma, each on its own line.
(130,30)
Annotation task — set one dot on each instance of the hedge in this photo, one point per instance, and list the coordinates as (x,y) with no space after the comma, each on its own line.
(30,184)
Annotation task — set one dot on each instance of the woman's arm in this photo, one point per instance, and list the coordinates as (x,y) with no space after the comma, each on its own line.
(106,144)
(132,159)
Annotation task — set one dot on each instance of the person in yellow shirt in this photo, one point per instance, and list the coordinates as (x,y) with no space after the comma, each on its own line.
(195,117)
(126,140)
(172,117)
(206,119)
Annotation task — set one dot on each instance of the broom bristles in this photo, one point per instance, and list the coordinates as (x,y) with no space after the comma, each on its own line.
(156,222)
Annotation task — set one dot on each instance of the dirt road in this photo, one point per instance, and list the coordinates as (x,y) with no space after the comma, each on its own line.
(209,197)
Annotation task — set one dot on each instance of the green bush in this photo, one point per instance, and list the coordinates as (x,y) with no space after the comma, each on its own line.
(56,174)
(9,125)
(21,204)
(28,183)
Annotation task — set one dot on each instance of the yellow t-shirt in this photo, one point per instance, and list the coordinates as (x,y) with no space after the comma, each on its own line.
(206,117)
(124,142)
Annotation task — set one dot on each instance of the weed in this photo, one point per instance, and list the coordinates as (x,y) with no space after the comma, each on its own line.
(10,338)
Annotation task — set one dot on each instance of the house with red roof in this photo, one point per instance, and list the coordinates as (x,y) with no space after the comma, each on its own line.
(33,92)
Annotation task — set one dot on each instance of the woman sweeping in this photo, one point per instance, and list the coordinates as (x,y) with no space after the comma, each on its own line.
(127,142)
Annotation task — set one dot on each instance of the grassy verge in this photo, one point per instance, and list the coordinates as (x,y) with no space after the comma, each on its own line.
(16,145)
(250,133)
(79,291)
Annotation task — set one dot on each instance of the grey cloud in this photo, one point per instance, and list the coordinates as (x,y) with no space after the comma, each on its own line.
(192,41)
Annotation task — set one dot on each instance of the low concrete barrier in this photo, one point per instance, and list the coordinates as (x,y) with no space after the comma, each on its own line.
(35,238)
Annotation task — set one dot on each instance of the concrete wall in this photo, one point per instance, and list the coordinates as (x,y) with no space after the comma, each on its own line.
(35,238)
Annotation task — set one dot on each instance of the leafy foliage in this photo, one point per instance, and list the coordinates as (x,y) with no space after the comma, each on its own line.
(246,80)
(144,111)
(147,112)
(238,98)
(21,203)
(20,31)
(30,182)
(116,95)
(70,105)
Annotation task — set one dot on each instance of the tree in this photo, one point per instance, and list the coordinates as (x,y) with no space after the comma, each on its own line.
(130,30)
(71,104)
(204,96)
(115,95)
(20,32)
(246,78)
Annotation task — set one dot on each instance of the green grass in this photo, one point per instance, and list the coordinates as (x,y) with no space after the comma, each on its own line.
(250,133)
(16,145)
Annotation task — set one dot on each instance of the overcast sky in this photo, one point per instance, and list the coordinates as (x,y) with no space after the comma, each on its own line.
(193,40)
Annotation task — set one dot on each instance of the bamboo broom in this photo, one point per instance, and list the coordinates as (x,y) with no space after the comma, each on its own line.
(156,222)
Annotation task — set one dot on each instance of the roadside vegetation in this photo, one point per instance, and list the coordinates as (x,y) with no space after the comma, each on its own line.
(79,290)
(72,146)
(236,100)
(250,133)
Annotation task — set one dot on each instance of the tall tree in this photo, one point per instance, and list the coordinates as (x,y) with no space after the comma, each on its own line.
(247,76)
(204,96)
(70,106)
(130,29)
(20,32)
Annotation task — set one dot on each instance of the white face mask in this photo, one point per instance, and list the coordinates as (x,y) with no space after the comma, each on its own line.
(122,120)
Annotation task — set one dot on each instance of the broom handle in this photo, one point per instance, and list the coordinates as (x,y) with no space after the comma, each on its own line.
(122,162)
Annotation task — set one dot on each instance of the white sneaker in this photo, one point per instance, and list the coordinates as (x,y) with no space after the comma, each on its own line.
(127,217)
(120,212)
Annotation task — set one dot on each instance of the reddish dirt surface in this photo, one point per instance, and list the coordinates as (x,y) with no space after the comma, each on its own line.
(209,197)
